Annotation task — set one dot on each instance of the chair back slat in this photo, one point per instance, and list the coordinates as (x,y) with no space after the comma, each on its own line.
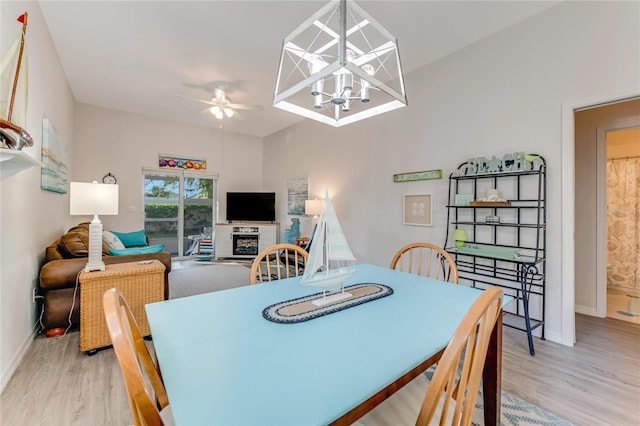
(426,259)
(277,262)
(454,386)
(144,387)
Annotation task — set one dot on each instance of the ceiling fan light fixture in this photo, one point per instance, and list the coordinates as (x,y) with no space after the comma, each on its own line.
(215,110)
(228,112)
(340,48)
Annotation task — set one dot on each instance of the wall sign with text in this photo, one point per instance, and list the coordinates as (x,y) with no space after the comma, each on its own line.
(423,175)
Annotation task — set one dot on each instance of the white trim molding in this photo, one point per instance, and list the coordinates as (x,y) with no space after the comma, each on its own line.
(569,309)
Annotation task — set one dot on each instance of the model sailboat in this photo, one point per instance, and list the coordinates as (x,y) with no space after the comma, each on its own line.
(330,260)
(13,94)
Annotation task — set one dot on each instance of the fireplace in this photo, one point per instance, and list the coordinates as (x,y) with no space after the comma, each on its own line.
(245,244)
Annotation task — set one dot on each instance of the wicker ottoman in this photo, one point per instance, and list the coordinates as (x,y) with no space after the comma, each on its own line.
(139,282)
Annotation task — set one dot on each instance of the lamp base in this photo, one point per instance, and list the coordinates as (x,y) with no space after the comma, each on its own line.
(95,267)
(95,262)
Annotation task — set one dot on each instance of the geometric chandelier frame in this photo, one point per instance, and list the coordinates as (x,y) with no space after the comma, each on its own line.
(340,66)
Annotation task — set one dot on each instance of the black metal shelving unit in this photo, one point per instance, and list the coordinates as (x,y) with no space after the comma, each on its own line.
(511,253)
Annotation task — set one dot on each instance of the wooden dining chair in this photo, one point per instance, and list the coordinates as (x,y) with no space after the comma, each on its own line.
(138,368)
(426,259)
(452,393)
(277,262)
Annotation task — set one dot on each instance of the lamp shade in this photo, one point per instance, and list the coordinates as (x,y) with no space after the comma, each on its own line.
(93,198)
(313,207)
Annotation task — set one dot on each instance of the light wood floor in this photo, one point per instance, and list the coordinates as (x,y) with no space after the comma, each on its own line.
(597,382)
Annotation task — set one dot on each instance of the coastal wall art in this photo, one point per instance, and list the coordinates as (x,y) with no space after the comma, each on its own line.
(297,193)
(53,176)
(417,209)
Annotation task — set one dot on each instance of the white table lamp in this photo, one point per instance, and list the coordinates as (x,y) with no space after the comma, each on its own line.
(93,199)
(313,208)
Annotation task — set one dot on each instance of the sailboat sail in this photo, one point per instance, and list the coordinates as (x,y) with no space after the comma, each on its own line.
(330,260)
(14,90)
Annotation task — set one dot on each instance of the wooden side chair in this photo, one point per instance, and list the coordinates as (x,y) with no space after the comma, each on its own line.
(277,262)
(426,259)
(450,397)
(456,381)
(138,369)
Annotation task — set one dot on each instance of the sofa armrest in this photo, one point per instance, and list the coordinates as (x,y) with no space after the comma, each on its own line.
(62,273)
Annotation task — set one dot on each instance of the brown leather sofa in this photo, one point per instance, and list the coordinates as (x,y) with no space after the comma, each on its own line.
(64,259)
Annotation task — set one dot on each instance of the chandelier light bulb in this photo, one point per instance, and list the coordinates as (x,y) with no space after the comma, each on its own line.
(364,91)
(315,65)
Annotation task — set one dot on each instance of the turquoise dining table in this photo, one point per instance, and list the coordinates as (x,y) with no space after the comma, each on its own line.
(224,364)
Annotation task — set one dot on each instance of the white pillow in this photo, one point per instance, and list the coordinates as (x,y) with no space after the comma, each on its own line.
(112,241)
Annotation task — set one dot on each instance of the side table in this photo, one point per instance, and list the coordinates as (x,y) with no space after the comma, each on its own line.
(140,283)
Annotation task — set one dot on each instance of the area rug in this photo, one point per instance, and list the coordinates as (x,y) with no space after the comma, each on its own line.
(513,411)
(206,277)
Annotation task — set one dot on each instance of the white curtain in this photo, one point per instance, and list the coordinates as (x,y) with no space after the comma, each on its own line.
(623,222)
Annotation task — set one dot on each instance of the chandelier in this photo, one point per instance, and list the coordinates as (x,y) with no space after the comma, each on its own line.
(340,66)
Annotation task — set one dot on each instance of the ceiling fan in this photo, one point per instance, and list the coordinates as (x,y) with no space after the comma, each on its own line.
(221,105)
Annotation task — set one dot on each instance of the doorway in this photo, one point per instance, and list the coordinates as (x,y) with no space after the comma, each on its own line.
(179,208)
(592,125)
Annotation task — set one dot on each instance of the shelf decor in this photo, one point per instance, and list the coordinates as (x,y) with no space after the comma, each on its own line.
(423,175)
(417,209)
(174,162)
(510,162)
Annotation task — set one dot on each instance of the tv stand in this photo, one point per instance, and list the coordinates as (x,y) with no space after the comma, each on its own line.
(244,240)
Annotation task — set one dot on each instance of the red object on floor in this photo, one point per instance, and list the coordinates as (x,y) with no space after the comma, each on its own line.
(55,332)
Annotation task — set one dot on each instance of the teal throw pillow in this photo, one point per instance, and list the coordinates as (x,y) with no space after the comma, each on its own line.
(132,239)
(137,250)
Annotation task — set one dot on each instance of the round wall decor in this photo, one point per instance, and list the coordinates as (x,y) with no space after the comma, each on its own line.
(109,178)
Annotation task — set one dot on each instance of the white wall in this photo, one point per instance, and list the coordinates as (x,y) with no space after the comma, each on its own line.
(30,218)
(123,143)
(500,95)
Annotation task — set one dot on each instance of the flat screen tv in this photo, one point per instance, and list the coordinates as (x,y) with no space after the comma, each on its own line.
(251,206)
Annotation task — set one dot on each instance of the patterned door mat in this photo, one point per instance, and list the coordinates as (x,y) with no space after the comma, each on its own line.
(303,309)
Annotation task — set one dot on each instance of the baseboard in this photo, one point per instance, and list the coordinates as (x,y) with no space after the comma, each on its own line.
(553,337)
(586,310)
(17,359)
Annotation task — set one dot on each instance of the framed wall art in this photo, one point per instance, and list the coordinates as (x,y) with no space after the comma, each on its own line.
(297,193)
(53,176)
(417,209)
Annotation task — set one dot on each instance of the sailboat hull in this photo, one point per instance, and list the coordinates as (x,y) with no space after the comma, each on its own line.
(327,300)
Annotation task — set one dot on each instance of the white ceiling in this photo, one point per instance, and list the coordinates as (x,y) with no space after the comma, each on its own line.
(136,56)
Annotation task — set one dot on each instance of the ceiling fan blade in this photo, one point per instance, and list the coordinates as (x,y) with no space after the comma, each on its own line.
(196,100)
(246,107)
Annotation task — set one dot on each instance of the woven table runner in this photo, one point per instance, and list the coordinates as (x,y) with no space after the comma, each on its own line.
(302,308)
